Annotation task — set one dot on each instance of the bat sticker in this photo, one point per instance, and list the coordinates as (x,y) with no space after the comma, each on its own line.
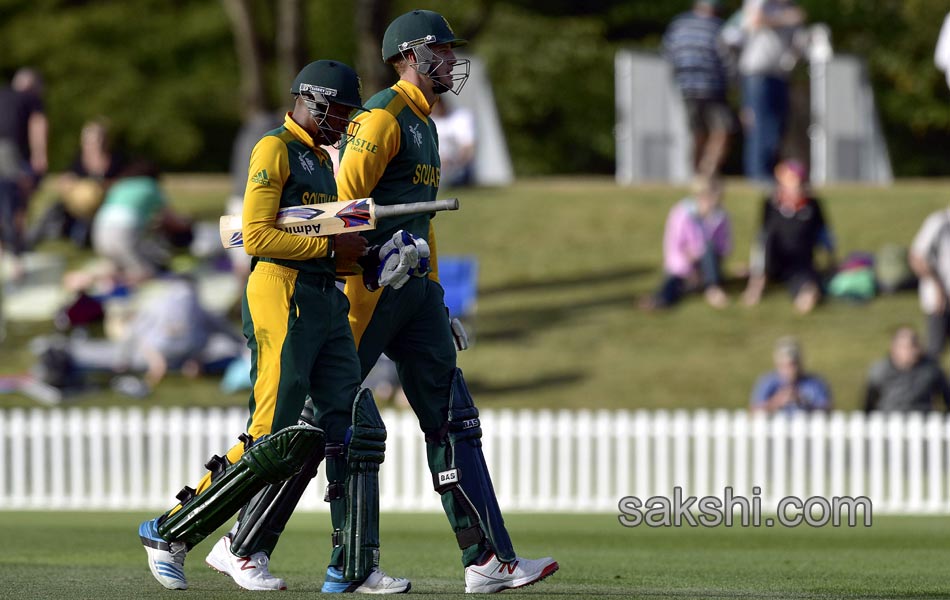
(237,239)
(302,212)
(354,214)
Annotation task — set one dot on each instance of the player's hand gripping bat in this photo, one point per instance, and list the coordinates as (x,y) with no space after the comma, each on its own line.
(331,218)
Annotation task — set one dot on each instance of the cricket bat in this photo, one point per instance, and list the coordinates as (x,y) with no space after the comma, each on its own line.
(331,218)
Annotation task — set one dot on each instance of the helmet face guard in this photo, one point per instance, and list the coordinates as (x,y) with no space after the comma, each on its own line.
(447,75)
(336,130)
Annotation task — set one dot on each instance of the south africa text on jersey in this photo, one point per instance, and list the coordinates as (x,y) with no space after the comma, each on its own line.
(427,175)
(317,198)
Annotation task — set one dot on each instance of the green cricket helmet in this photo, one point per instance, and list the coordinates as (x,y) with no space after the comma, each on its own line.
(416,32)
(323,83)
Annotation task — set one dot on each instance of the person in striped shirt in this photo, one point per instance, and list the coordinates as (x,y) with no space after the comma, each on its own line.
(692,45)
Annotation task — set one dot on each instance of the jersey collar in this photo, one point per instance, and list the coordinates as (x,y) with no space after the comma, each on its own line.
(414,98)
(305,138)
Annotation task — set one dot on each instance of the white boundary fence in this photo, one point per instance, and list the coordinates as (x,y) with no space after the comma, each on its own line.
(130,458)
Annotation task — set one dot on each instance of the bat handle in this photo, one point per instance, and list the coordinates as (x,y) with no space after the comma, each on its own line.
(415,208)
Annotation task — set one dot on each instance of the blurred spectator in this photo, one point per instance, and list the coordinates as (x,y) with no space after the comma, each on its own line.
(691,44)
(124,229)
(906,379)
(23,160)
(171,332)
(789,388)
(930,260)
(771,43)
(697,237)
(82,188)
(942,53)
(457,137)
(793,227)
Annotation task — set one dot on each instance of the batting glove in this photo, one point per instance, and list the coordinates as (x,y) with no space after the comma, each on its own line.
(422,268)
(397,258)
(459,334)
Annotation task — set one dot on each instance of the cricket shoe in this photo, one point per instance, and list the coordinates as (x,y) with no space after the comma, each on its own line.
(165,559)
(251,572)
(376,582)
(494,576)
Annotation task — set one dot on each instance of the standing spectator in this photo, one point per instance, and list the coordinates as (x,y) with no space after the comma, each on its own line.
(23,159)
(82,188)
(697,237)
(692,45)
(456,129)
(770,48)
(906,379)
(942,52)
(793,227)
(930,260)
(789,388)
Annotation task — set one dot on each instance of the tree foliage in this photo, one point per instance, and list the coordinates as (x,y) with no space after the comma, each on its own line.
(165,71)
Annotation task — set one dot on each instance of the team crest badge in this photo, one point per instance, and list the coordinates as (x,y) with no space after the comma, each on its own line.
(416,134)
(306,162)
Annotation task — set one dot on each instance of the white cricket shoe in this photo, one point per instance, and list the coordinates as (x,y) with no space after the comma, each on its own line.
(494,576)
(376,582)
(251,572)
(166,560)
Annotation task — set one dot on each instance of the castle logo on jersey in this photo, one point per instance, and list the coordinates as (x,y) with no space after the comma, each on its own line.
(354,214)
(416,134)
(306,162)
(261,178)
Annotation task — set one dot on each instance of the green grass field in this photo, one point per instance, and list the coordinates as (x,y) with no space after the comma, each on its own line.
(97,555)
(562,262)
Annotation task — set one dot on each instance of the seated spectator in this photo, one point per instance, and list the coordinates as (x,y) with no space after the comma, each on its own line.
(697,237)
(789,388)
(81,189)
(171,331)
(124,229)
(906,379)
(793,228)
(457,131)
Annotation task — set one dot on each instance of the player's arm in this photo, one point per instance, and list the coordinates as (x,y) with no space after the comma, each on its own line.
(261,202)
(365,159)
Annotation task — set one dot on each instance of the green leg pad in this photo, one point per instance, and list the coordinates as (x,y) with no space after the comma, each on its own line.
(367,448)
(270,460)
(263,518)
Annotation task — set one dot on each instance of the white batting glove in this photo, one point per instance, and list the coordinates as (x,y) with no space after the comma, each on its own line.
(459,334)
(422,268)
(396,258)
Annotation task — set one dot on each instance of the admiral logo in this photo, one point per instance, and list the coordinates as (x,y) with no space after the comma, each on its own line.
(319,89)
(447,477)
(303,229)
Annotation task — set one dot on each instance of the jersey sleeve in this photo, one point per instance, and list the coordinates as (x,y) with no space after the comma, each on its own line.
(366,157)
(267,173)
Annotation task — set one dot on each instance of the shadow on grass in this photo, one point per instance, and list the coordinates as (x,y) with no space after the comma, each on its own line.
(542,381)
(560,283)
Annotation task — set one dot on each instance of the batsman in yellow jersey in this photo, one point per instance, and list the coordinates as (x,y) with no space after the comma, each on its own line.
(295,322)
(393,157)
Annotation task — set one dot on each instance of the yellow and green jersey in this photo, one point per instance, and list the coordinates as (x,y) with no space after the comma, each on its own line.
(286,170)
(393,159)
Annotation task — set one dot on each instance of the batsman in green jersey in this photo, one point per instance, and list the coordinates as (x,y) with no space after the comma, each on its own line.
(295,321)
(393,157)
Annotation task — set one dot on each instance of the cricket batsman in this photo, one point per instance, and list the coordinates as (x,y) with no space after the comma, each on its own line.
(393,157)
(295,322)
